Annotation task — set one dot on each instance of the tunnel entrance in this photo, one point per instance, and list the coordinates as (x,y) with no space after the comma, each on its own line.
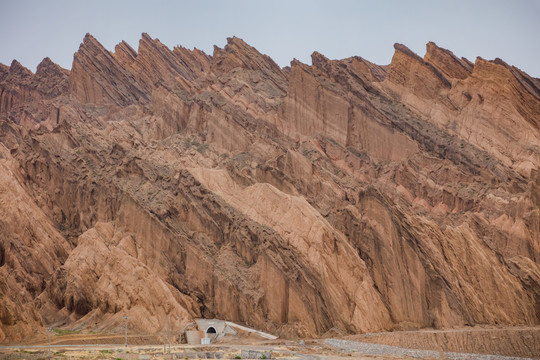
(211,330)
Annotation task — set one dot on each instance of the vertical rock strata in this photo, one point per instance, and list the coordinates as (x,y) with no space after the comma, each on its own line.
(341,196)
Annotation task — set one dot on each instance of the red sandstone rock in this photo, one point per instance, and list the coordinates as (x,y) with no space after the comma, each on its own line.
(343,195)
(96,77)
(447,62)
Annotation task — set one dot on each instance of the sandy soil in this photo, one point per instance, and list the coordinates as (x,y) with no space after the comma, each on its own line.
(471,342)
(516,341)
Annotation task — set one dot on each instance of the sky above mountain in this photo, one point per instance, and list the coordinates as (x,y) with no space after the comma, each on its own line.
(32,30)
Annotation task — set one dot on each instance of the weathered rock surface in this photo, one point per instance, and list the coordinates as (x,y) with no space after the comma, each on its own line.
(98,78)
(341,196)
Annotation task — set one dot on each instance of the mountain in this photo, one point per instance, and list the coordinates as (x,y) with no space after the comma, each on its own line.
(342,196)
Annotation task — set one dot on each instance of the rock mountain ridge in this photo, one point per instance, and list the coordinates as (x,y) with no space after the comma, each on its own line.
(341,196)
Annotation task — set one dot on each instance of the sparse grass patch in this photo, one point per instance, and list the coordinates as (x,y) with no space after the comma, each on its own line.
(241,160)
(334,142)
(66,331)
(359,154)
(201,148)
(192,142)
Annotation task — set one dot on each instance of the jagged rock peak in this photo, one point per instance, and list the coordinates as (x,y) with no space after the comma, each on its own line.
(17,69)
(321,62)
(146,40)
(446,62)
(4,71)
(469,64)
(97,77)
(126,47)
(530,83)
(90,40)
(236,41)
(147,43)
(157,64)
(45,63)
(366,69)
(237,53)
(397,64)
(91,48)
(490,68)
(48,67)
(405,50)
(499,68)
(196,60)
(52,79)
(184,50)
(356,64)
(124,53)
(318,59)
(501,62)
(297,64)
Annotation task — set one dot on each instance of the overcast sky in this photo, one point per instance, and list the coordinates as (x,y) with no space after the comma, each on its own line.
(32,30)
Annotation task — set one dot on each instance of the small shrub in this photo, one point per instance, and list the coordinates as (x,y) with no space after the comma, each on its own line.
(61,332)
(334,142)
(201,148)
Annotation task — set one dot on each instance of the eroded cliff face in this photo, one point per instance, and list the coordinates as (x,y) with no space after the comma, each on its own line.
(341,196)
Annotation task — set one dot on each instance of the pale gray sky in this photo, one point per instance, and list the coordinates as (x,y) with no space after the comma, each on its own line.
(32,30)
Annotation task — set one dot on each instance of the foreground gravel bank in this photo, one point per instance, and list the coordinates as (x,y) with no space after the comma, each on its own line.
(378,349)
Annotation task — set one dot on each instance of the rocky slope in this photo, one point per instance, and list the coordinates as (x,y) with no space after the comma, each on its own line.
(342,196)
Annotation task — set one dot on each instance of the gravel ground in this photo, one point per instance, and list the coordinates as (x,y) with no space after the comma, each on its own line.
(378,349)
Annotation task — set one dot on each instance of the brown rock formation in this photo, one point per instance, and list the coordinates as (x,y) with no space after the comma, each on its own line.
(342,195)
(467,107)
(447,62)
(98,78)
